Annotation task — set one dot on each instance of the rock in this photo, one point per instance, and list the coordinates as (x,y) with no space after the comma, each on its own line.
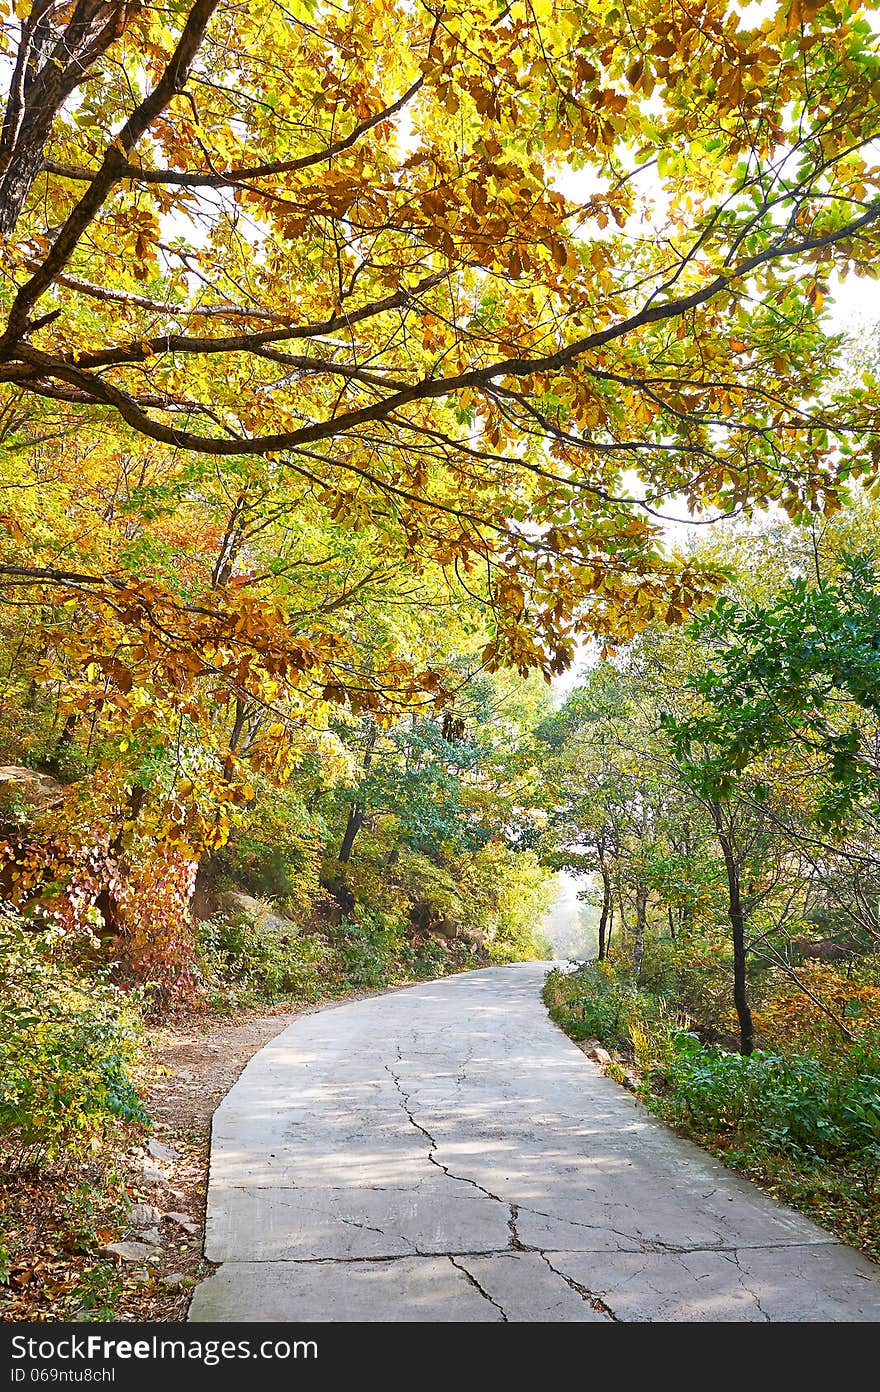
(143,1215)
(599,1055)
(631,1080)
(175,1280)
(39,790)
(184,1221)
(151,1172)
(141,1276)
(150,1235)
(129,1251)
(821,950)
(590,1044)
(160,1151)
(234,903)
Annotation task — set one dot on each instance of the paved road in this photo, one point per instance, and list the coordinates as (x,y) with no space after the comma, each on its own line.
(444,1153)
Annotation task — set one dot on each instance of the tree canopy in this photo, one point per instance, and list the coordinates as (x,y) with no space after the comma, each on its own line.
(497,280)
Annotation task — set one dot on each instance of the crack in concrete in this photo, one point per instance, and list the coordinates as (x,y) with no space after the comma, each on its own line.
(462,1072)
(365,1227)
(523,1247)
(589,1296)
(578,1223)
(474,1282)
(733,1255)
(515,1241)
(434,1145)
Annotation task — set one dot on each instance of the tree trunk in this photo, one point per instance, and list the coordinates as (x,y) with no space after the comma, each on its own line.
(621,908)
(607,911)
(53,59)
(641,920)
(356,815)
(357,812)
(241,711)
(738,927)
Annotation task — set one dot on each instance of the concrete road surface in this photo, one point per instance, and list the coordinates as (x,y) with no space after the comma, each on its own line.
(444,1153)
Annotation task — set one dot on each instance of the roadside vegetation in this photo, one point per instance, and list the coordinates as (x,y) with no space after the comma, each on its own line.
(723,781)
(97,957)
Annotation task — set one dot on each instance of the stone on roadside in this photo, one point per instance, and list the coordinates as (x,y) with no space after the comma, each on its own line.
(184,1221)
(129,1251)
(143,1215)
(151,1172)
(234,904)
(160,1151)
(599,1055)
(39,790)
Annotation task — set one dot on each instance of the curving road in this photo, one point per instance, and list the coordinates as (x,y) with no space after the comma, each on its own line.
(444,1153)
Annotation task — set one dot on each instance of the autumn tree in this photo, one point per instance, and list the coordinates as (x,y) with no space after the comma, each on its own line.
(507,276)
(337,341)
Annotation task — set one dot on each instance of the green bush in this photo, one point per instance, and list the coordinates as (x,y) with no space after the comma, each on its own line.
(249,965)
(795,1105)
(369,951)
(66,1047)
(594,1002)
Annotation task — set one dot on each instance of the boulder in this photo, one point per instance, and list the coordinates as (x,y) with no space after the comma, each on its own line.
(598,1055)
(234,903)
(143,1215)
(37,790)
(160,1151)
(152,1174)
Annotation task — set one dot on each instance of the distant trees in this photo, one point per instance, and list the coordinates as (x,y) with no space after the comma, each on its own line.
(733,768)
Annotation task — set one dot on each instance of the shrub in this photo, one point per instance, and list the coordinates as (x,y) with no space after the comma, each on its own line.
(66,1047)
(370,950)
(596,1002)
(796,1105)
(375,950)
(250,965)
(692,972)
(786,1018)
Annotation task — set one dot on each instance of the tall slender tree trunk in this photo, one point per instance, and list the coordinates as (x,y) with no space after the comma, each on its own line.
(738,928)
(238,723)
(607,911)
(621,907)
(356,815)
(641,921)
(357,812)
